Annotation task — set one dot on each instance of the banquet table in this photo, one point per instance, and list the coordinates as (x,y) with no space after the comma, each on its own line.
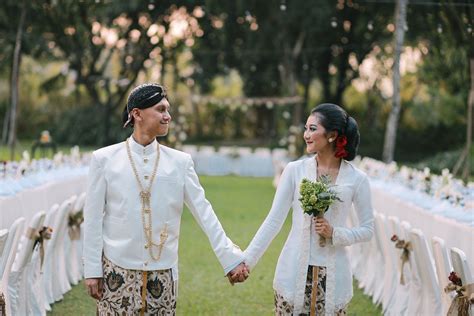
(454,233)
(41,198)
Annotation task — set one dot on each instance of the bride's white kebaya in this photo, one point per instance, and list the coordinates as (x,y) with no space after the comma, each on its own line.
(332,135)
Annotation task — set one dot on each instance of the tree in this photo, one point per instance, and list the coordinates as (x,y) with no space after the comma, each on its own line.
(108,46)
(392,123)
(282,45)
(14,79)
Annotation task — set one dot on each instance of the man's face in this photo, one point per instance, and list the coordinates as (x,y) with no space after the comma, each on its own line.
(156,119)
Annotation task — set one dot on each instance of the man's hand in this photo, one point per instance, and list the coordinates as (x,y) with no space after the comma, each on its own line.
(94,287)
(238,274)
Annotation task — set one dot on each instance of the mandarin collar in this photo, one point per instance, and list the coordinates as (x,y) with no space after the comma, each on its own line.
(142,150)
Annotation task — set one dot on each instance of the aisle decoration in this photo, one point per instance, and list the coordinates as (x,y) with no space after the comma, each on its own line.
(464,296)
(406,247)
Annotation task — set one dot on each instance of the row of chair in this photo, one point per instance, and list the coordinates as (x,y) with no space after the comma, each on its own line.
(34,273)
(377,266)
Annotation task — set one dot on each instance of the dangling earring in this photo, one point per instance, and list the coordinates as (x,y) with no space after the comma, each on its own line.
(330,140)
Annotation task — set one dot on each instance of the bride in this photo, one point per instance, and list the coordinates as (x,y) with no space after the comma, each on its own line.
(312,278)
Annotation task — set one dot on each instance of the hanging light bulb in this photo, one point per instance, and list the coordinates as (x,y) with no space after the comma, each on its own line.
(283,5)
(334,22)
(440,29)
(370,25)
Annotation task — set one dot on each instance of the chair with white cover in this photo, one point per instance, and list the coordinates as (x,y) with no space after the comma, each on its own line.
(461,266)
(390,260)
(400,303)
(8,257)
(73,245)
(443,269)
(3,239)
(48,269)
(25,274)
(413,278)
(430,294)
(56,249)
(373,269)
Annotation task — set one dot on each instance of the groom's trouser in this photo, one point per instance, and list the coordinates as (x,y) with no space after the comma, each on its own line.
(136,292)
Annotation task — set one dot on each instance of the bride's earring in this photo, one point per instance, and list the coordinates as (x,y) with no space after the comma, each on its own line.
(330,140)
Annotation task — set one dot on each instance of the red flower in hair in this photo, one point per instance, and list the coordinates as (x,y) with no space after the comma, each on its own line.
(341,142)
(341,153)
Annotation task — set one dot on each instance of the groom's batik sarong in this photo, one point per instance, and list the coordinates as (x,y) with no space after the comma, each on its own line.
(123,292)
(282,307)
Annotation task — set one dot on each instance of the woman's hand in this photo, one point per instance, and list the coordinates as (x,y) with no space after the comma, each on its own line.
(323,227)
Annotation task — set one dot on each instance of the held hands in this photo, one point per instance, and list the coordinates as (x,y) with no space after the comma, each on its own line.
(323,227)
(94,287)
(238,274)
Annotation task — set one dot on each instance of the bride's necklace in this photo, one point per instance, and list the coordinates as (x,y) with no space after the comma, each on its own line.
(331,172)
(145,197)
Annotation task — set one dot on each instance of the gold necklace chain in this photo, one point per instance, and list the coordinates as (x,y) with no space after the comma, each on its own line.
(145,197)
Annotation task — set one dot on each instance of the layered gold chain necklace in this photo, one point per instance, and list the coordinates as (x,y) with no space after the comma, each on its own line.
(145,197)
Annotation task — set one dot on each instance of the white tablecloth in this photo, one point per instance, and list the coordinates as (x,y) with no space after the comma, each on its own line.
(237,161)
(30,201)
(454,233)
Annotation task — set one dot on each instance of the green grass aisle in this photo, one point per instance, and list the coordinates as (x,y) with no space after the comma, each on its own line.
(241,205)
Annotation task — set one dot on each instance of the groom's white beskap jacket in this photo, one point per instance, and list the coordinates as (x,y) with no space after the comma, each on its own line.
(113,211)
(353,188)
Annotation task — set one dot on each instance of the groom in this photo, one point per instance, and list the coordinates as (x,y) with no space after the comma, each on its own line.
(135,196)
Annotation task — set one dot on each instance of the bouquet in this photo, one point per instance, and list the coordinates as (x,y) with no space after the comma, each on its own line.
(316,197)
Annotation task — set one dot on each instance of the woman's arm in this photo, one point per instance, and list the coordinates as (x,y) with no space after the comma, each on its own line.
(342,236)
(275,218)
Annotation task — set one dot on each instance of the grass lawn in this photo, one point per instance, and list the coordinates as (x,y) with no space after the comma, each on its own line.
(241,205)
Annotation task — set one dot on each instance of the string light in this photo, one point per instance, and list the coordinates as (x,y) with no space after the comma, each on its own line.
(370,26)
(283,5)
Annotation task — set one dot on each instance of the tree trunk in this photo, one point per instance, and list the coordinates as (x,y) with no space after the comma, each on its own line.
(6,123)
(464,159)
(392,123)
(291,61)
(196,114)
(14,81)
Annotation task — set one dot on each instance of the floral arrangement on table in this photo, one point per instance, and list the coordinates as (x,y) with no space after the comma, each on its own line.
(316,197)
(406,247)
(464,295)
(27,166)
(443,187)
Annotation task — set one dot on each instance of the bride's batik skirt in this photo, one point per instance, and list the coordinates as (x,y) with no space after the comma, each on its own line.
(283,307)
(124,292)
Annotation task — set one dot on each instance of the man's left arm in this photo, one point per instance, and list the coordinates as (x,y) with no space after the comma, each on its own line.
(229,255)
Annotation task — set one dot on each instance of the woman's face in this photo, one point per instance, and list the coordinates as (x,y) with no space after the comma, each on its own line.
(315,135)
